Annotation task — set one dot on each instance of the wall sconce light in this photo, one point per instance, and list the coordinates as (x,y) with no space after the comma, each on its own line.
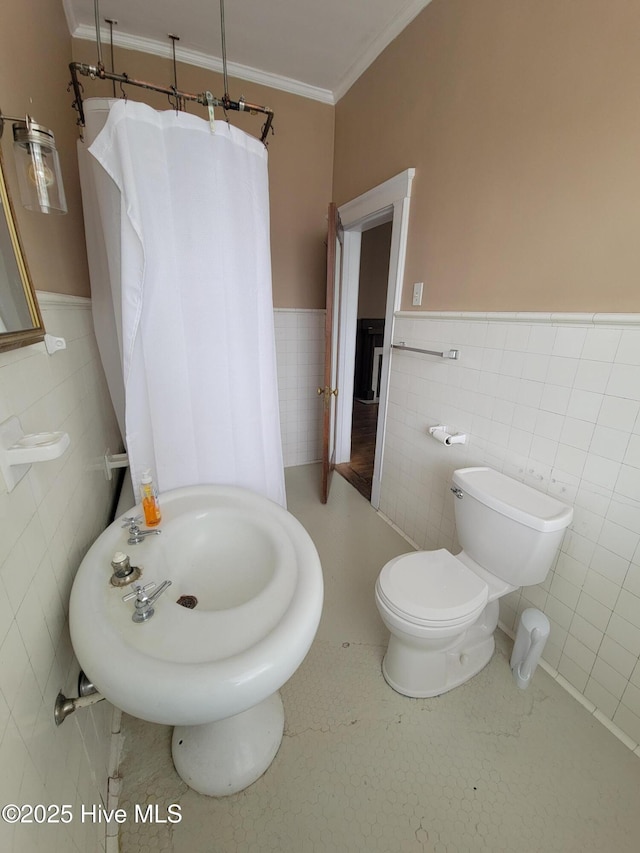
(38,165)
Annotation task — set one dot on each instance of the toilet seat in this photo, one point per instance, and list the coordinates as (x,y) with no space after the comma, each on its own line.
(432,588)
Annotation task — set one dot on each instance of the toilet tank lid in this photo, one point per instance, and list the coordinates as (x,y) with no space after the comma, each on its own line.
(514,499)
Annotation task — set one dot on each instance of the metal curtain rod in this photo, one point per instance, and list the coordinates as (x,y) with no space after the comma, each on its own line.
(452,353)
(100,73)
(205,99)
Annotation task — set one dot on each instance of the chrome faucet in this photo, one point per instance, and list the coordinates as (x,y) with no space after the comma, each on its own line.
(135,534)
(143,605)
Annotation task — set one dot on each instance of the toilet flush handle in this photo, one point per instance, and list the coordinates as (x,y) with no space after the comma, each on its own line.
(457,492)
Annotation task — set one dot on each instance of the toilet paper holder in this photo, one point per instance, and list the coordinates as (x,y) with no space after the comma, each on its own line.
(442,434)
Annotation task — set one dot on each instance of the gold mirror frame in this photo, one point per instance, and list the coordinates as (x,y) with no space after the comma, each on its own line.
(35,333)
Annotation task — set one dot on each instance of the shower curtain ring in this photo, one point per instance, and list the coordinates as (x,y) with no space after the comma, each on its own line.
(175,103)
(80,90)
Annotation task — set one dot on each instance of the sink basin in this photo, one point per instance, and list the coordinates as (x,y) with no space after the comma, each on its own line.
(255,578)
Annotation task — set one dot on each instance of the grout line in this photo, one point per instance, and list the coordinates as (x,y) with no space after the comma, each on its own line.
(114,780)
(299,310)
(555,318)
(397,530)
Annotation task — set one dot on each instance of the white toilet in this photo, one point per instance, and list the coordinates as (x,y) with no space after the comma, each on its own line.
(442,610)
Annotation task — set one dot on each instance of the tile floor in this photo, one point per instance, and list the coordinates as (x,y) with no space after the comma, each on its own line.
(486,767)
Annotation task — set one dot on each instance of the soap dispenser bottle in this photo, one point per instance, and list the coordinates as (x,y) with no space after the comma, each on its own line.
(149,497)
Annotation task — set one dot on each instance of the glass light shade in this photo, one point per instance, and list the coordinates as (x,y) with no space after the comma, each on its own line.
(38,166)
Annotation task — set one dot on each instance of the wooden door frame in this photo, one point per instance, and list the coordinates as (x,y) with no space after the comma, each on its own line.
(388,202)
(331,343)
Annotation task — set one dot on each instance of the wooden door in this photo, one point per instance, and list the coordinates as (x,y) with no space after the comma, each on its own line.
(330,390)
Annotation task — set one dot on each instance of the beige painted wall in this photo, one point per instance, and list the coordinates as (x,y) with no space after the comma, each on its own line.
(300,163)
(374,271)
(520,118)
(35,49)
(522,121)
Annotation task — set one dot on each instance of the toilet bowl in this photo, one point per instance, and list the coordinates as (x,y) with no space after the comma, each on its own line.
(442,610)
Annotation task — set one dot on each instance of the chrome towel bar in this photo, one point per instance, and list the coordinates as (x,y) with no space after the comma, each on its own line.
(452,353)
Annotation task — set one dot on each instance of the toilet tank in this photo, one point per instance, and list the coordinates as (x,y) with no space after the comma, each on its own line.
(507,527)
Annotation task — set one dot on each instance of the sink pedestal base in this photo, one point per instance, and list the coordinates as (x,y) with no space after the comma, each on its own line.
(225,757)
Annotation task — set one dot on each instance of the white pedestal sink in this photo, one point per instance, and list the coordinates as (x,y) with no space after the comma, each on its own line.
(212,671)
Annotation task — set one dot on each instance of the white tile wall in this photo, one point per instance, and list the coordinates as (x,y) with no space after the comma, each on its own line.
(46,524)
(300,358)
(553,401)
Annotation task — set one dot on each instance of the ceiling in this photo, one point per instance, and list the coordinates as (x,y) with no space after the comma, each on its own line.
(314,48)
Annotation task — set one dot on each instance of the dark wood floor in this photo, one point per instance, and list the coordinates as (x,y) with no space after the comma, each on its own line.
(359,470)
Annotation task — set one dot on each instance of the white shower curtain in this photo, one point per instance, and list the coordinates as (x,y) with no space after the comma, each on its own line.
(198,349)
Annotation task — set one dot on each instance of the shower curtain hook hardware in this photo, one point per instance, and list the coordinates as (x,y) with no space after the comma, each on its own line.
(174,87)
(174,99)
(267,128)
(76,104)
(99,72)
(210,105)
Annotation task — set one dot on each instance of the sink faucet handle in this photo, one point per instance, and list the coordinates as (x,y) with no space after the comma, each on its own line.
(139,592)
(135,534)
(143,605)
(164,585)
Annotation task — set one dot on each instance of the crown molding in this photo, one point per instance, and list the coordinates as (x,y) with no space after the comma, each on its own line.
(202,60)
(396,26)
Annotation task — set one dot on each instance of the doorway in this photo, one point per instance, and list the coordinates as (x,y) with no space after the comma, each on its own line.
(386,203)
(373,282)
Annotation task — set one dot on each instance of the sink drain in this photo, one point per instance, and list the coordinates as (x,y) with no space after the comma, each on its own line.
(188,601)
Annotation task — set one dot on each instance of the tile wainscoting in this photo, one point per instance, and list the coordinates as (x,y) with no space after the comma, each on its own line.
(554,401)
(46,525)
(551,400)
(300,356)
